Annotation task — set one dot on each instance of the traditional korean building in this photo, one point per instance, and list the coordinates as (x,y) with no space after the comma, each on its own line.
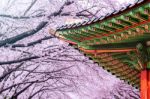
(119,42)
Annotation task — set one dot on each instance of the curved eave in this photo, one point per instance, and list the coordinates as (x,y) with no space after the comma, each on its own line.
(103,18)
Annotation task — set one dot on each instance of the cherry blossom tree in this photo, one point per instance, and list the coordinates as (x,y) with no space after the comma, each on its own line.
(35,64)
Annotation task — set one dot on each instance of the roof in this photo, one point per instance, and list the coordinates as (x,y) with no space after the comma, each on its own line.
(114,41)
(102,18)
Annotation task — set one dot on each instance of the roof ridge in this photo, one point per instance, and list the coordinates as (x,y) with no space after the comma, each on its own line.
(94,19)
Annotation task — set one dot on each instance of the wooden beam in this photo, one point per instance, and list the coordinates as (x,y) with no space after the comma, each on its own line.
(119,30)
(104,51)
(71,42)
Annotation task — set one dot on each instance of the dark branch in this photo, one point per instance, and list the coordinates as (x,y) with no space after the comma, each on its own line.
(23,83)
(59,12)
(31,43)
(9,72)
(21,17)
(21,91)
(36,57)
(31,5)
(19,60)
(23,35)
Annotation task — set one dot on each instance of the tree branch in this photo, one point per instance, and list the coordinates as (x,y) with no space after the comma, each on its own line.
(31,5)
(23,35)
(31,43)
(36,57)
(21,17)
(23,83)
(19,60)
(57,13)
(9,72)
(21,91)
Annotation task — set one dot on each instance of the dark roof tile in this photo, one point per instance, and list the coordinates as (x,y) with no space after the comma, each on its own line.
(139,1)
(100,18)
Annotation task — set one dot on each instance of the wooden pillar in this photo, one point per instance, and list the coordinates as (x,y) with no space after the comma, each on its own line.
(148,91)
(145,84)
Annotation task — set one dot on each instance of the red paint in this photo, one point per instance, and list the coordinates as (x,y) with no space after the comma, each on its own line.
(104,51)
(68,41)
(71,42)
(145,84)
(148,84)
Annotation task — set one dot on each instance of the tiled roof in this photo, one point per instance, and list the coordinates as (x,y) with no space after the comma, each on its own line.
(111,40)
(93,20)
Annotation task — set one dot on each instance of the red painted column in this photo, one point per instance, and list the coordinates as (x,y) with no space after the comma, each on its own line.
(148,91)
(143,85)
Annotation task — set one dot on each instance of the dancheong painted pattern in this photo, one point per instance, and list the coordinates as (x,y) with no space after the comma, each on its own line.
(119,42)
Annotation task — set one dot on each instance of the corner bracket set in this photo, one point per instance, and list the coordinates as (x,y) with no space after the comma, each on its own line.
(144,55)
